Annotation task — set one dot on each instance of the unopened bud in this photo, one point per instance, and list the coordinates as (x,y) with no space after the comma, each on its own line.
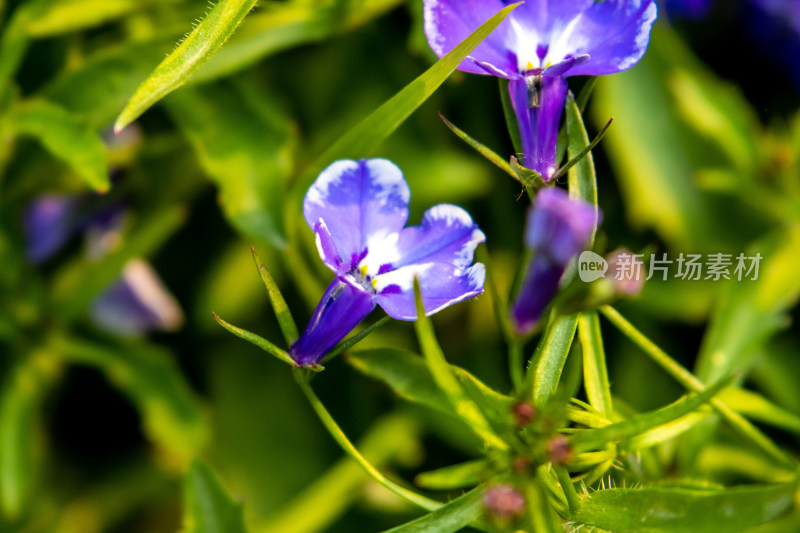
(524,413)
(625,272)
(559,450)
(504,502)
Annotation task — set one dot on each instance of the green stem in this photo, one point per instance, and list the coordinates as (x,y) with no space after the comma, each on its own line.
(691,382)
(516,357)
(573,502)
(341,439)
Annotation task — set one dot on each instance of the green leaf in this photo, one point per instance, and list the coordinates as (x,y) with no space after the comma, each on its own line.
(207,506)
(77,283)
(547,363)
(172,415)
(351,341)
(393,439)
(542,515)
(678,510)
(285,320)
(15,39)
(445,378)
(283,26)
(450,517)
(458,476)
(204,41)
(595,372)
(66,16)
(582,178)
(244,143)
(22,395)
(101,85)
(482,149)
(758,408)
(257,340)
(591,438)
(365,137)
(68,138)
(409,376)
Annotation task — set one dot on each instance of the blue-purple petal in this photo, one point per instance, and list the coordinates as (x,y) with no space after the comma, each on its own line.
(558,226)
(538,288)
(441,285)
(135,304)
(614,33)
(447,235)
(448,22)
(48,222)
(342,308)
(538,125)
(360,202)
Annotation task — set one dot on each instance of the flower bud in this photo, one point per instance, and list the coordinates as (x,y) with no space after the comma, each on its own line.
(503,502)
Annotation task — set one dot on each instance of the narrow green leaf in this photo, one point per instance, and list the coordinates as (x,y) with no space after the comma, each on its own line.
(348,447)
(284,26)
(667,431)
(285,320)
(77,283)
(582,178)
(244,143)
(446,380)
(530,179)
(256,340)
(204,41)
(172,415)
(462,475)
(482,149)
(547,363)
(450,517)
(510,116)
(409,376)
(691,382)
(362,139)
(68,138)
(393,439)
(586,92)
(591,438)
(595,372)
(678,510)
(67,16)
(99,87)
(756,407)
(207,505)
(542,515)
(22,394)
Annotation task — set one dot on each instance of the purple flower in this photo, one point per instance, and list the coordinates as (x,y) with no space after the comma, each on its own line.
(536,47)
(358,210)
(558,227)
(48,223)
(690,9)
(775,26)
(136,303)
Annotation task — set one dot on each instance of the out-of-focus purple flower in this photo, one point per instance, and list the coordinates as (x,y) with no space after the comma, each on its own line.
(48,223)
(558,227)
(689,9)
(358,210)
(536,47)
(136,303)
(775,25)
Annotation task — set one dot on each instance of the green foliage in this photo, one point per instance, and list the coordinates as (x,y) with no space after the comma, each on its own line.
(204,41)
(208,507)
(66,137)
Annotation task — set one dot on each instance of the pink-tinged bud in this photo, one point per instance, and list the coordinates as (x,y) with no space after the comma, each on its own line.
(504,502)
(520,464)
(559,450)
(626,272)
(524,413)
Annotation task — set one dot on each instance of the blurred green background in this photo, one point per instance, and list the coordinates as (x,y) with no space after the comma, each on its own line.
(96,430)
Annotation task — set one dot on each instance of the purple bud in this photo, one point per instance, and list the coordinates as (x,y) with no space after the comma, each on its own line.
(48,222)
